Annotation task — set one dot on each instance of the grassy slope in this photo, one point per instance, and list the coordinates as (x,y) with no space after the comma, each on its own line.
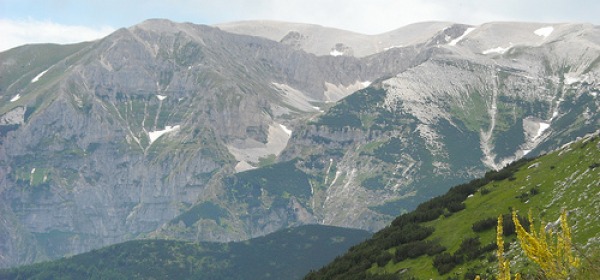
(287,254)
(555,190)
(568,178)
(24,63)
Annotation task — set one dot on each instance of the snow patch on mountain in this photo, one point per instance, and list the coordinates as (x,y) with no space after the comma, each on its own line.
(392,47)
(499,50)
(571,79)
(15,98)
(336,53)
(285,129)
(455,41)
(37,78)
(153,135)
(534,129)
(542,127)
(544,31)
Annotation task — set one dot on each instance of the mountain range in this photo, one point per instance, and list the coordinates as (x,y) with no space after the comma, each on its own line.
(451,236)
(228,132)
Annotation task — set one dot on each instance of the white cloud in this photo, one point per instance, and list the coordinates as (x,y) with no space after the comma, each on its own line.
(19,32)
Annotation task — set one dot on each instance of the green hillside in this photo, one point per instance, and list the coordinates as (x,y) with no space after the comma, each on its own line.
(453,236)
(286,254)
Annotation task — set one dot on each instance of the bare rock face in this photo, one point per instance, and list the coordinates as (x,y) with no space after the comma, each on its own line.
(458,113)
(293,39)
(13,117)
(186,131)
(110,140)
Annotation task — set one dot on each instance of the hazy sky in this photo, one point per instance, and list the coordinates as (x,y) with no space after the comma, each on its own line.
(64,21)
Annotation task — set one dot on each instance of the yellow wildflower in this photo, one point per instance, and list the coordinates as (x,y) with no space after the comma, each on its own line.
(555,260)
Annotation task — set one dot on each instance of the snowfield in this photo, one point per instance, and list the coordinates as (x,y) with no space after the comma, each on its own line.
(455,41)
(285,129)
(37,78)
(153,135)
(543,127)
(499,50)
(544,31)
(336,53)
(15,98)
